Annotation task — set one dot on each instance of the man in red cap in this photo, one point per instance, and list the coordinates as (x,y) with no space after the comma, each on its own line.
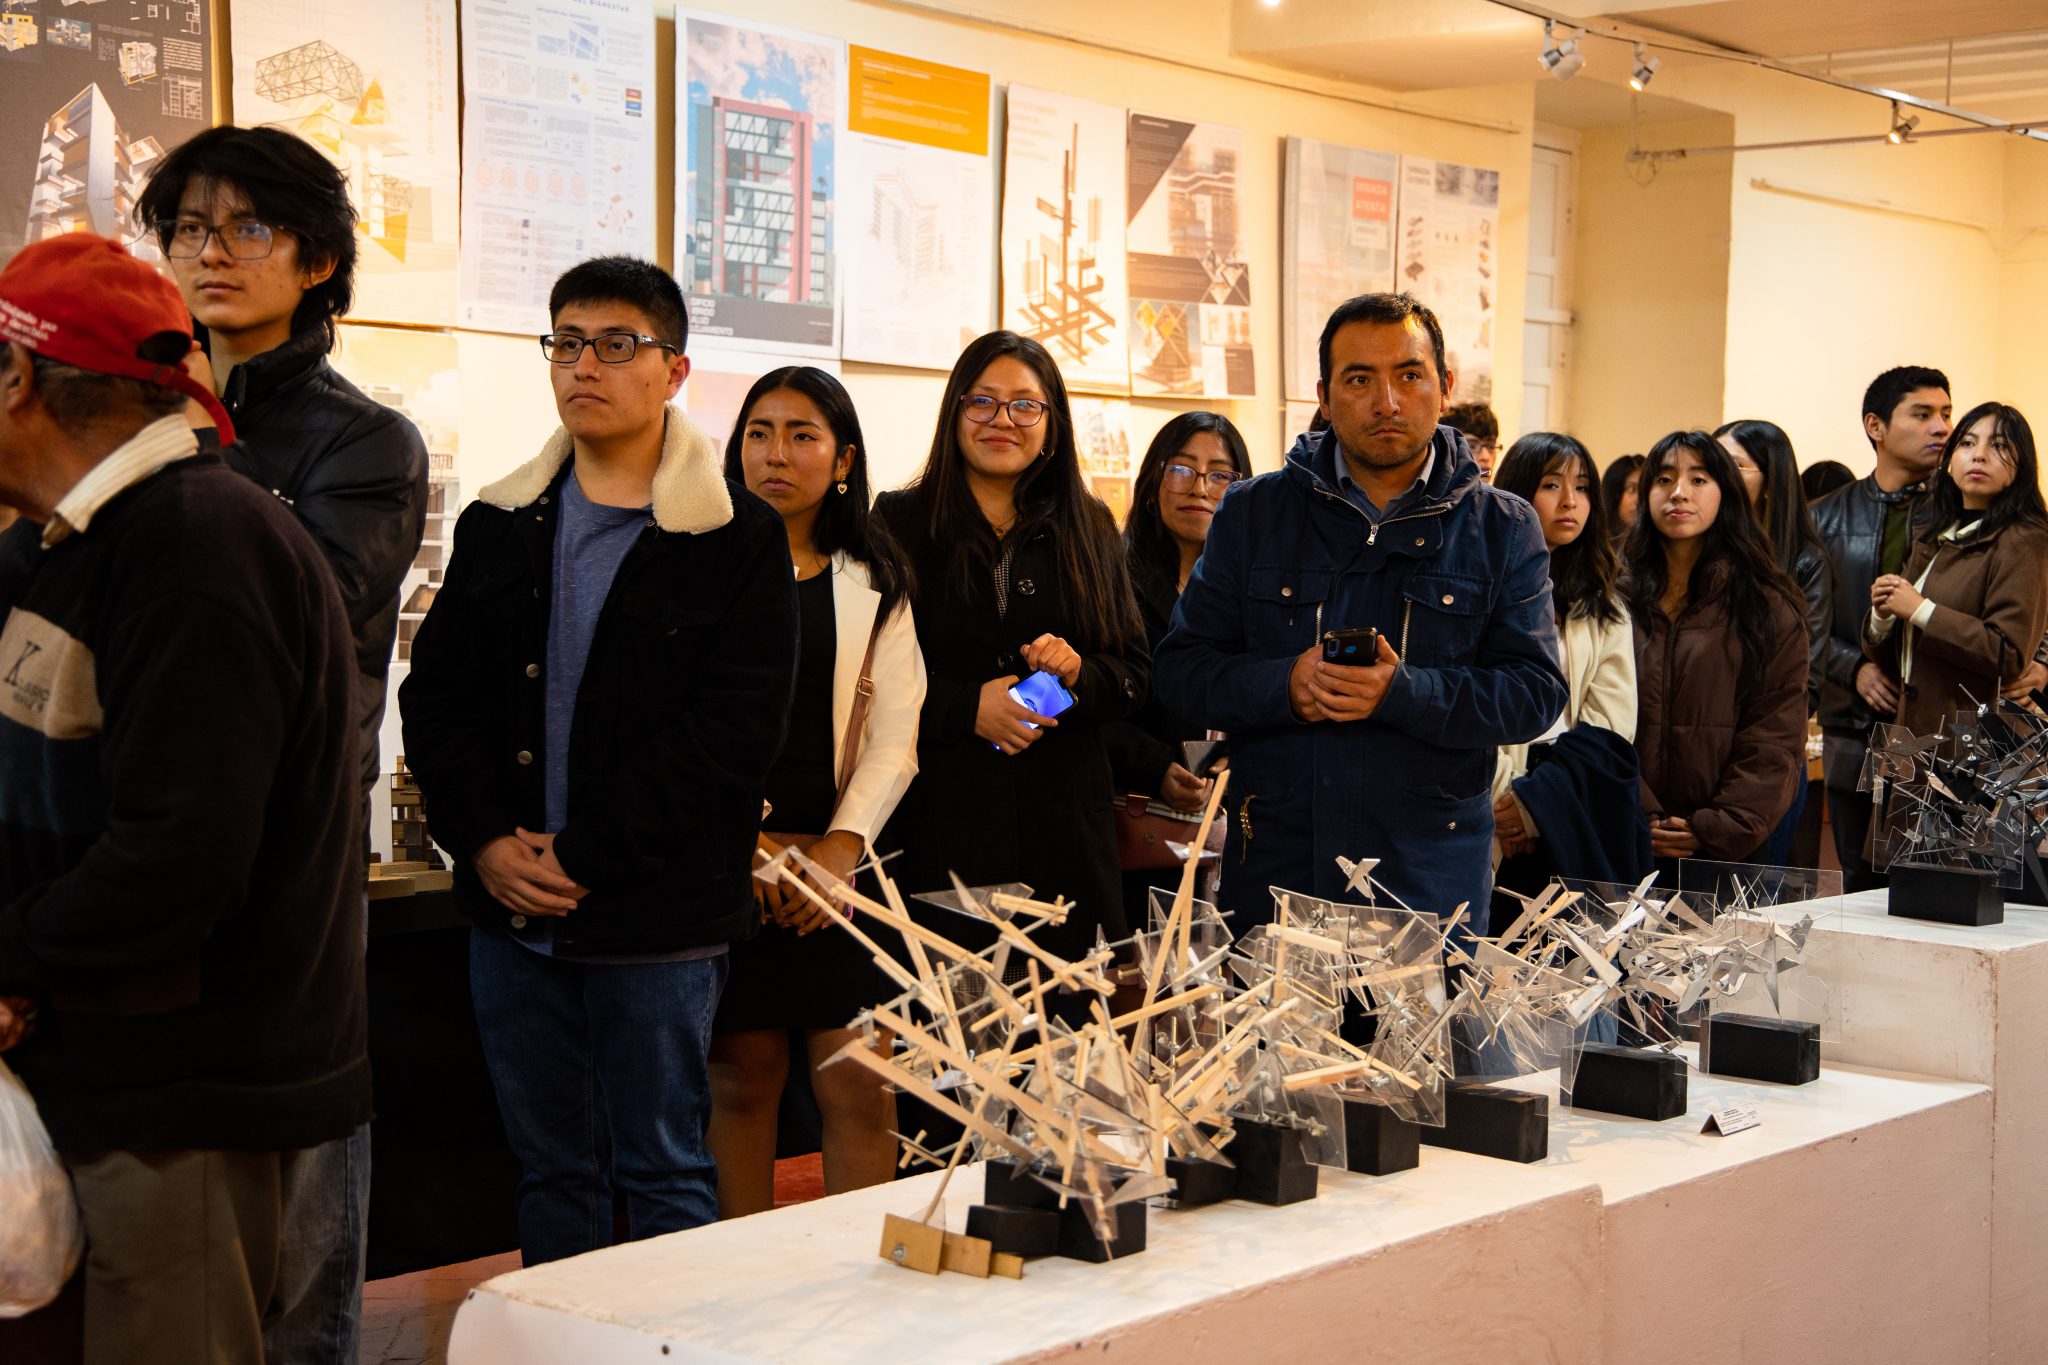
(181,975)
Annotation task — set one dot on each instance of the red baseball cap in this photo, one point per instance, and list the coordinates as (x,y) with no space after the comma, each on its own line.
(83,300)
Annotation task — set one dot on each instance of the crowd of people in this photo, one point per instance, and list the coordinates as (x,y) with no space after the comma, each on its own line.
(655,664)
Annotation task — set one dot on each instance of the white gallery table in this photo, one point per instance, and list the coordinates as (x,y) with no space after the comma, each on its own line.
(1969,1002)
(1848,1226)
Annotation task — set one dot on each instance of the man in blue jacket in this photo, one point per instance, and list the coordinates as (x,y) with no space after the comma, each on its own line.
(1383,520)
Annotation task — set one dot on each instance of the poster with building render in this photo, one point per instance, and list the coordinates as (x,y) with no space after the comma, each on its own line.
(1191,300)
(557,149)
(372,84)
(1448,256)
(1336,240)
(95,95)
(918,237)
(758,118)
(1063,234)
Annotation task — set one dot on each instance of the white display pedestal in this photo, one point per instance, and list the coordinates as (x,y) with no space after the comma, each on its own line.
(1461,1259)
(1972,1003)
(1847,1226)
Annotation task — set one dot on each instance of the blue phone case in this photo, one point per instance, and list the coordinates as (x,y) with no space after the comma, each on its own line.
(1042,693)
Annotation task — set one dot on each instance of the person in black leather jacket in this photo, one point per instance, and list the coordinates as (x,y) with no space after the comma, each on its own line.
(261,239)
(1867,528)
(262,243)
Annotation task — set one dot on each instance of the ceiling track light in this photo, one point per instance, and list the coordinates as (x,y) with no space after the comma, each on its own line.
(1561,60)
(1902,126)
(1646,67)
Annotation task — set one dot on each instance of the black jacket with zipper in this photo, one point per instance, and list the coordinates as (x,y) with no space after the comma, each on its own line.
(1851,524)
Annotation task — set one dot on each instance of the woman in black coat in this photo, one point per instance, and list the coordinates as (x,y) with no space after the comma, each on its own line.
(1016,568)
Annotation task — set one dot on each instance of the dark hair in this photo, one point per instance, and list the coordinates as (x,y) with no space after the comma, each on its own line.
(1477,421)
(845,525)
(1613,483)
(1146,538)
(288,184)
(81,398)
(1094,578)
(1889,389)
(2021,500)
(1735,567)
(1386,310)
(1782,512)
(1823,477)
(1582,573)
(628,280)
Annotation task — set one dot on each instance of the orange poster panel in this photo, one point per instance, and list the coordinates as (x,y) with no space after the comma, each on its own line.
(917,101)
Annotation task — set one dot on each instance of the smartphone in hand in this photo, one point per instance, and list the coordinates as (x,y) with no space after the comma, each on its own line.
(1043,694)
(1357,647)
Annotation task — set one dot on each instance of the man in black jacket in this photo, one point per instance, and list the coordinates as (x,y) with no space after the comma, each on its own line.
(594,702)
(1867,527)
(181,973)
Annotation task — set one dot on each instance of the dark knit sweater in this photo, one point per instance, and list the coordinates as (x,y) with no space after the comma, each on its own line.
(180,823)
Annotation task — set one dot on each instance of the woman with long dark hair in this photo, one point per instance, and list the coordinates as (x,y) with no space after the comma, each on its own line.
(1621,495)
(1964,618)
(797,444)
(1770,472)
(1721,658)
(1554,474)
(1192,462)
(1017,569)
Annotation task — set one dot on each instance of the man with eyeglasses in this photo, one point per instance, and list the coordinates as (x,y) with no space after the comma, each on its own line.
(596,697)
(260,237)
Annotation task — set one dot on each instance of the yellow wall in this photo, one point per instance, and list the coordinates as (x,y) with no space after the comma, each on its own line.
(1650,292)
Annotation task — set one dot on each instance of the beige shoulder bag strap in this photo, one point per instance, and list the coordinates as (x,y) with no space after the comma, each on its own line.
(857,720)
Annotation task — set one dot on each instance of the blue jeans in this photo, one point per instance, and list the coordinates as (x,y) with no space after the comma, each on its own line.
(602,1082)
(1777,850)
(326,1205)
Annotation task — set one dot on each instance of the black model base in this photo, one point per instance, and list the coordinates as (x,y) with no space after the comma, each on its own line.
(1490,1120)
(1377,1141)
(1196,1183)
(1752,1048)
(1078,1242)
(1946,897)
(1021,1232)
(1636,1083)
(1272,1167)
(1005,1183)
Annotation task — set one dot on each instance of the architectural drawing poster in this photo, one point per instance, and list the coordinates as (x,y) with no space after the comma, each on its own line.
(918,235)
(372,84)
(1449,257)
(1336,240)
(1063,234)
(1102,437)
(1191,303)
(759,113)
(96,94)
(557,149)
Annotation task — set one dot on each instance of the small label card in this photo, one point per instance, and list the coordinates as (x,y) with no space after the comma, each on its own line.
(1730,1119)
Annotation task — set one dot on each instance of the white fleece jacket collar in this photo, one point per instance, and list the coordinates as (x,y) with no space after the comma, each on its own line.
(690,493)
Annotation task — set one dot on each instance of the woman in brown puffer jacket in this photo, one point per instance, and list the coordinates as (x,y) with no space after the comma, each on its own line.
(1964,618)
(1721,658)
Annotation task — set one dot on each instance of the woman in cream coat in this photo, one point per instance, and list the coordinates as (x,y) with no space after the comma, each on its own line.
(797,444)
(1555,474)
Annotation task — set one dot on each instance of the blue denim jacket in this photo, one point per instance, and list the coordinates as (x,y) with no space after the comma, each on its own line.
(1458,581)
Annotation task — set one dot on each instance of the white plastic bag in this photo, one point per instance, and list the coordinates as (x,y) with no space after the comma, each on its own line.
(40,1237)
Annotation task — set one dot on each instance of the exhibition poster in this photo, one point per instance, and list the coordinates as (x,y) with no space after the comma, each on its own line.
(1191,303)
(96,95)
(1449,257)
(1063,234)
(1336,241)
(719,381)
(1102,438)
(759,113)
(372,84)
(919,236)
(557,149)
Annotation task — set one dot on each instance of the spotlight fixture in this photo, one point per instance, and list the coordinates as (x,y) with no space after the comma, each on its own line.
(1561,60)
(1902,126)
(1646,67)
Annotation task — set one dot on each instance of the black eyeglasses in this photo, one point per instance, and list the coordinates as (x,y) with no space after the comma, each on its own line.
(245,239)
(1179,478)
(613,348)
(1025,412)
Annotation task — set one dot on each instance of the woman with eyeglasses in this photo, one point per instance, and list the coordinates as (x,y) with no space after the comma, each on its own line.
(1194,460)
(797,445)
(1963,619)
(1016,569)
